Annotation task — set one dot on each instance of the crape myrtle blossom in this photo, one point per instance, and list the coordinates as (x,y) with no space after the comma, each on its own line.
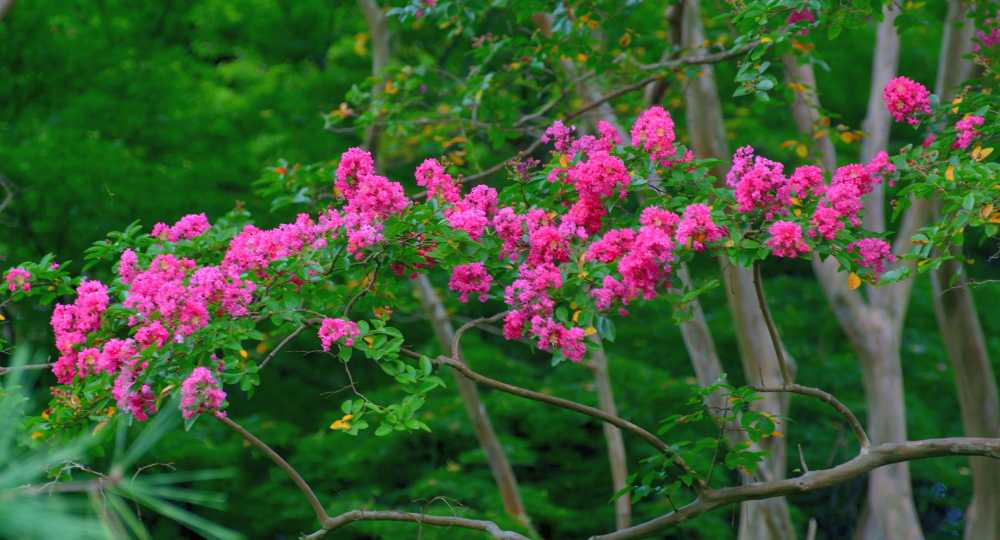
(786,239)
(905,98)
(696,228)
(189,226)
(966,129)
(654,132)
(872,253)
(332,330)
(200,392)
(990,40)
(759,184)
(470,278)
(18,278)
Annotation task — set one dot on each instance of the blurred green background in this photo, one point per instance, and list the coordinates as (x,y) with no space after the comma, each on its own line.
(112,111)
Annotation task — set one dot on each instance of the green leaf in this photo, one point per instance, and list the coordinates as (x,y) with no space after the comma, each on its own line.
(383,430)
(426,366)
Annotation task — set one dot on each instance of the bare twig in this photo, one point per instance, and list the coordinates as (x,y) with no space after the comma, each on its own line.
(366,288)
(303,486)
(281,346)
(778,353)
(5,370)
(802,460)
(470,324)
(411,517)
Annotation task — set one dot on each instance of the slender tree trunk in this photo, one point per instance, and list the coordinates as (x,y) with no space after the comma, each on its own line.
(959,324)
(378,25)
(5,6)
(495,456)
(759,520)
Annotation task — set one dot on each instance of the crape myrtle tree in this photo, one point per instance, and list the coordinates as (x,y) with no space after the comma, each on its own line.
(587,220)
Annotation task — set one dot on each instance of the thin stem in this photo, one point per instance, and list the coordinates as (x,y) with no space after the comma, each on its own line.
(281,346)
(366,288)
(306,490)
(653,441)
(785,375)
(472,323)
(5,370)
(411,517)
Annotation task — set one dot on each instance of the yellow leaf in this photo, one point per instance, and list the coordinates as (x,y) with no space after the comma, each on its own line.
(797,87)
(99,427)
(734,399)
(796,202)
(443,109)
(36,435)
(593,25)
(956,101)
(243,354)
(590,331)
(789,143)
(166,390)
(766,40)
(261,348)
(987,210)
(802,150)
(798,212)
(981,154)
(776,434)
(369,341)
(46,413)
(576,315)
(820,134)
(995,218)
(342,423)
(949,173)
(849,137)
(824,121)
(563,161)
(2,318)
(730,243)
(804,47)
(625,40)
(581,57)
(853,281)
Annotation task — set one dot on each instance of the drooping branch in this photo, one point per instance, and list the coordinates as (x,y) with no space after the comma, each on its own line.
(825,397)
(281,346)
(473,323)
(598,414)
(303,486)
(879,456)
(785,375)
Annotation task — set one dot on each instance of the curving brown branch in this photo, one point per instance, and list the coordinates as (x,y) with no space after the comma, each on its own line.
(825,397)
(472,323)
(598,414)
(879,456)
(281,346)
(411,517)
(306,490)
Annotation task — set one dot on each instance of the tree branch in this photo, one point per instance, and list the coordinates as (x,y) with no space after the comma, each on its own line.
(472,323)
(8,369)
(879,456)
(569,405)
(306,490)
(785,375)
(281,346)
(423,519)
(825,397)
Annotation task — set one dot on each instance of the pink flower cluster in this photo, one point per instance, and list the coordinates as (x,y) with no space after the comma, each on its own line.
(172,299)
(696,228)
(990,40)
(530,298)
(786,239)
(72,323)
(966,129)
(654,131)
(470,278)
(141,402)
(904,98)
(188,227)
(370,199)
(333,329)
(759,184)
(804,14)
(200,392)
(18,278)
(253,249)
(872,253)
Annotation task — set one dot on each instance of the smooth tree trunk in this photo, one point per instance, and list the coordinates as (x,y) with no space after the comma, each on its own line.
(959,324)
(379,27)
(760,520)
(5,6)
(495,456)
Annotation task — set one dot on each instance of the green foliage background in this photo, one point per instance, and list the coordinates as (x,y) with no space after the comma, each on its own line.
(112,111)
